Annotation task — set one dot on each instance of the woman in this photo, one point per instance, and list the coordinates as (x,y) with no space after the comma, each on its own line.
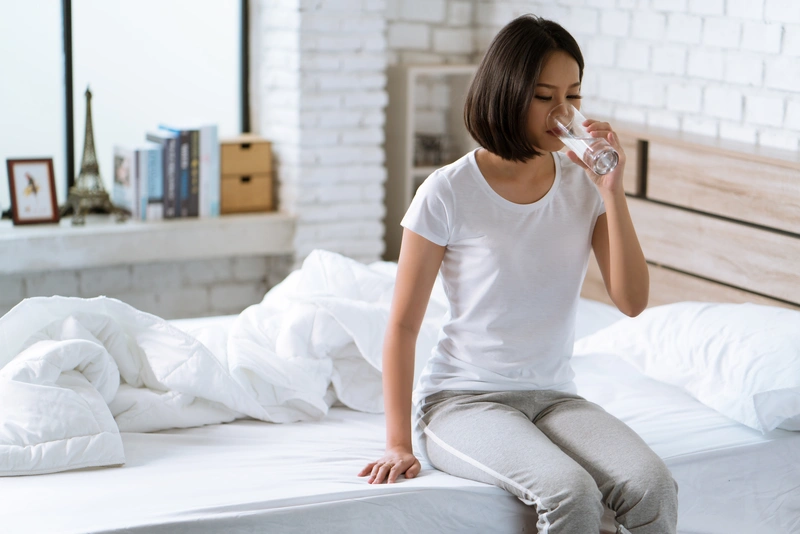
(510,225)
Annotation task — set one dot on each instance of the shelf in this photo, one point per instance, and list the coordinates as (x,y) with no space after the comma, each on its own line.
(424,172)
(423,99)
(103,242)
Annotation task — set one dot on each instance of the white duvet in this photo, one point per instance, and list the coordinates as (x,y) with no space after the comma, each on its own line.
(76,372)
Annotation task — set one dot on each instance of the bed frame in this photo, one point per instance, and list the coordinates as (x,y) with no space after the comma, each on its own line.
(718,221)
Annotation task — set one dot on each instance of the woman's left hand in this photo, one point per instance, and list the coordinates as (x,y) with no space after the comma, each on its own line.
(611,182)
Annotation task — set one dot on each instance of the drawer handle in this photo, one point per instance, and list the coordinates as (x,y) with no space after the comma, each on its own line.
(245,146)
(244,179)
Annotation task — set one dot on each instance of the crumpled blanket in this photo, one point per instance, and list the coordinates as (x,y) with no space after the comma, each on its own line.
(75,372)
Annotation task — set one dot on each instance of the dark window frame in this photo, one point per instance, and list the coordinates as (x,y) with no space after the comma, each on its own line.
(66,18)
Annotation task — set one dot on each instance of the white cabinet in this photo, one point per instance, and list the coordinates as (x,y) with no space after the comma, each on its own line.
(424,131)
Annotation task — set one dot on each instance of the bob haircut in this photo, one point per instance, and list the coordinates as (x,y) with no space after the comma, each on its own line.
(496,109)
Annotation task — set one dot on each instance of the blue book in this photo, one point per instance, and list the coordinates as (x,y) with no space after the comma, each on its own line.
(171,170)
(150,172)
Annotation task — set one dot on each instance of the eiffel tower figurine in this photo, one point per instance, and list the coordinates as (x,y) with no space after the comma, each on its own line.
(88,193)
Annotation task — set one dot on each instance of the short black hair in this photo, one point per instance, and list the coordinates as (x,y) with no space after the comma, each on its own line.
(496,110)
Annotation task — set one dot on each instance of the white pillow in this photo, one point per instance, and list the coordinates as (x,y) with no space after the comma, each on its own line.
(742,360)
(593,316)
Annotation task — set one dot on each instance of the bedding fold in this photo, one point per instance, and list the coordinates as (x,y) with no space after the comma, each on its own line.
(75,372)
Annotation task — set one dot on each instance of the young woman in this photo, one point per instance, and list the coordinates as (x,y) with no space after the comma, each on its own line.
(510,226)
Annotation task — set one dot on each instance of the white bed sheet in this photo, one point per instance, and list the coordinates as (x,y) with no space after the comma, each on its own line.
(251,476)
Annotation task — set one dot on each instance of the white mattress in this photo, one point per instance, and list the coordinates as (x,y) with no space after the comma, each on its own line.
(250,476)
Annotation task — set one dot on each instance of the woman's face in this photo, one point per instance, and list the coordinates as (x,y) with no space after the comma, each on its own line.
(558,82)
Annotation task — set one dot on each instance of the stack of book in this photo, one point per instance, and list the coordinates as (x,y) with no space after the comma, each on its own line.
(176,174)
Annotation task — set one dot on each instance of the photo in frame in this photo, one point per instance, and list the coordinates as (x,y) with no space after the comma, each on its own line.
(32,185)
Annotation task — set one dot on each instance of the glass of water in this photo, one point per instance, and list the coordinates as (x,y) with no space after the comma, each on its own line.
(566,123)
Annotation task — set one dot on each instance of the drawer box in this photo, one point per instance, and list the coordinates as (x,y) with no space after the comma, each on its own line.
(246,193)
(245,154)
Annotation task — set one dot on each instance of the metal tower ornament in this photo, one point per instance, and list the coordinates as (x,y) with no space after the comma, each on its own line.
(88,193)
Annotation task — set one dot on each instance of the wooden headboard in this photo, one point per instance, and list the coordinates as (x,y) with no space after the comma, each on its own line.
(717,221)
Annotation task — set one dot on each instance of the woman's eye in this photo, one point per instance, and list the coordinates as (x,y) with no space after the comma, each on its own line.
(545,98)
(575,97)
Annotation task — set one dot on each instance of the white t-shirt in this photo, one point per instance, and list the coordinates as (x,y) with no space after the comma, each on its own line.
(512,274)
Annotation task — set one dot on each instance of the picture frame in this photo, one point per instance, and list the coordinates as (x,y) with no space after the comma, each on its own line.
(32,187)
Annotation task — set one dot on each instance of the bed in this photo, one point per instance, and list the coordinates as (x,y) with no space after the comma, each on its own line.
(247,475)
(250,476)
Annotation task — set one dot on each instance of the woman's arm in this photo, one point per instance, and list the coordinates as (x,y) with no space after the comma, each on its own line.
(620,258)
(614,240)
(417,267)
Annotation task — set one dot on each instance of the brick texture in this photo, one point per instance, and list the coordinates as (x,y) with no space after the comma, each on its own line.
(171,290)
(721,68)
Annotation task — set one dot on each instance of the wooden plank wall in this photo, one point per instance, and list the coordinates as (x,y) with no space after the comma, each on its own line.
(718,222)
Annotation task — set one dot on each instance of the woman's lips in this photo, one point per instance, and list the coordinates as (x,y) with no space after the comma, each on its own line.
(553,133)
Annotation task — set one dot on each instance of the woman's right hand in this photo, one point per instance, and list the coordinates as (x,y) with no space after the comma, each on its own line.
(395,462)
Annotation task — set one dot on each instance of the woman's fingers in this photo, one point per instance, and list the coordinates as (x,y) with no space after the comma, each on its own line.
(592,125)
(389,469)
(613,138)
(413,471)
(364,472)
(394,472)
(575,159)
(381,473)
(599,129)
(375,469)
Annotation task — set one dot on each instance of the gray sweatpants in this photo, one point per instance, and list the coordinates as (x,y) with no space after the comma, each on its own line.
(559,452)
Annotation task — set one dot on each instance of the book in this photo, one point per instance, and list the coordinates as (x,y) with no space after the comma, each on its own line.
(124,191)
(209,171)
(182,201)
(171,170)
(193,200)
(208,166)
(150,176)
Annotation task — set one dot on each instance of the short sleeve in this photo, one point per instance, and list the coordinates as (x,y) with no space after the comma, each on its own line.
(600,206)
(431,210)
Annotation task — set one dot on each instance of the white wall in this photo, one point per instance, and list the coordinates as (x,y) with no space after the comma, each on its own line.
(431,32)
(722,68)
(169,289)
(32,89)
(147,62)
(151,62)
(319,77)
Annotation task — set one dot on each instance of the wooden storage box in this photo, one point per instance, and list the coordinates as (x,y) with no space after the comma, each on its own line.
(246,174)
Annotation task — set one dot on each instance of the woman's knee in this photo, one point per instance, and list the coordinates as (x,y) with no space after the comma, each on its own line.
(575,492)
(649,499)
(652,481)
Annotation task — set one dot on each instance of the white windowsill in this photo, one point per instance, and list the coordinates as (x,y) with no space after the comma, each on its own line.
(103,242)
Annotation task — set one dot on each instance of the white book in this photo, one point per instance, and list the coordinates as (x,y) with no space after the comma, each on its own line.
(124,191)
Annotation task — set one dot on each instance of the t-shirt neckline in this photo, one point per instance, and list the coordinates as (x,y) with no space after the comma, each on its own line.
(505,203)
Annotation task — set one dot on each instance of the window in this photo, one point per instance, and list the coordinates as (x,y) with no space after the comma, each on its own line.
(32,122)
(147,62)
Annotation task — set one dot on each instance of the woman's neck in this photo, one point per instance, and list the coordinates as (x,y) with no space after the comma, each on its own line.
(518,182)
(535,170)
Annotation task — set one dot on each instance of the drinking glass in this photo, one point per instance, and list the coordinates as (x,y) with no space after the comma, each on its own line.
(567,123)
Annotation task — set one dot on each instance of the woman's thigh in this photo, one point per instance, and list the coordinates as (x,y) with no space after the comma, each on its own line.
(624,467)
(476,436)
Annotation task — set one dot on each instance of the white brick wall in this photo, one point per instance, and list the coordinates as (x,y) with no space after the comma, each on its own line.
(453,39)
(328,139)
(171,290)
(746,9)
(723,68)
